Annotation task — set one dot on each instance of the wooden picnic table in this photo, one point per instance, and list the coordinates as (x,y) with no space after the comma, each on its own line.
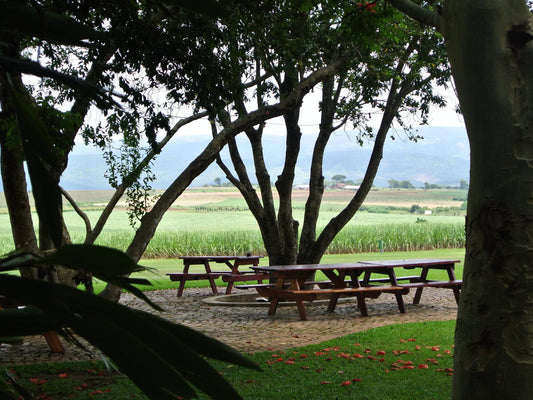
(230,276)
(293,282)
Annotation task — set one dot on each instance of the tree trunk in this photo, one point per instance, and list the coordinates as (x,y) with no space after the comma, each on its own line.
(491,53)
(18,205)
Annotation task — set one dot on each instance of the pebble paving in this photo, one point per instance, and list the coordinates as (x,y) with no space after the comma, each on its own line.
(250,329)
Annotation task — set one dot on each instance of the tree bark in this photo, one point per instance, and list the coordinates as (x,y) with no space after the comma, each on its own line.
(491,53)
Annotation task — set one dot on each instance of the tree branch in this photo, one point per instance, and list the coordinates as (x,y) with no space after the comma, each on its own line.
(418,13)
(78,210)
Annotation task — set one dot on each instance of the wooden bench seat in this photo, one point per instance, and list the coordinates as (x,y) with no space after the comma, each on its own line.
(438,284)
(179,276)
(244,276)
(455,285)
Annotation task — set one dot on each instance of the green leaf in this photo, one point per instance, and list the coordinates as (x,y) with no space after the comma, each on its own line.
(27,321)
(154,353)
(6,392)
(100,260)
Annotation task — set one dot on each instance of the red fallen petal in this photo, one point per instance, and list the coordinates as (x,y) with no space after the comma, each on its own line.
(64,375)
(357,344)
(275,355)
(447,352)
(325,382)
(289,362)
(329,358)
(435,348)
(292,358)
(449,370)
(346,383)
(407,363)
(407,367)
(381,360)
(381,353)
(358,355)
(411,340)
(357,380)
(303,356)
(404,352)
(417,347)
(279,359)
(319,353)
(423,366)
(403,340)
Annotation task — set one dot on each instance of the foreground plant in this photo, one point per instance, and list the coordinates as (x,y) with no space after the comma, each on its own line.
(162,358)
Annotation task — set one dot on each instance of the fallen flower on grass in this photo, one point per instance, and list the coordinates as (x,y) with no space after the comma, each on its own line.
(346,383)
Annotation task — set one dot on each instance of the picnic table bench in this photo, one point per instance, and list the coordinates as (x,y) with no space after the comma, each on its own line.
(293,282)
(230,276)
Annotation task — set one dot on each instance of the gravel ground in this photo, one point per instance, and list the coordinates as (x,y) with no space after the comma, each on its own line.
(250,329)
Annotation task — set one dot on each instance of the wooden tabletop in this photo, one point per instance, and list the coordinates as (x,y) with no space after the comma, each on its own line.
(428,262)
(220,258)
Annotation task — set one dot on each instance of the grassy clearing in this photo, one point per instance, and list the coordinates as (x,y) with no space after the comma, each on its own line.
(394,362)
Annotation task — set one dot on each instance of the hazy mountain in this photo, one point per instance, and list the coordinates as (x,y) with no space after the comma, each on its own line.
(441,157)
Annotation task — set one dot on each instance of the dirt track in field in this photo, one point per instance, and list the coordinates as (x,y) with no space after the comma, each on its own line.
(399,198)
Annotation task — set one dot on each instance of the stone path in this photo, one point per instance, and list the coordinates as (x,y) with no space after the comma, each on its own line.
(250,329)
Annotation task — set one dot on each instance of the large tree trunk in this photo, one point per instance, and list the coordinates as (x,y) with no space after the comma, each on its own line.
(491,53)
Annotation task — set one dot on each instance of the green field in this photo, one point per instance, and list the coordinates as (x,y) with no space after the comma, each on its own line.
(217,221)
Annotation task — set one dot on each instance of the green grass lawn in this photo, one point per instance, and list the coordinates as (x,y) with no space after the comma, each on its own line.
(409,361)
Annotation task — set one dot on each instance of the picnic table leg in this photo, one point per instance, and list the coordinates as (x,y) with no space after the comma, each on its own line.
(399,297)
(361,304)
(53,342)
(273,306)
(210,278)
(229,287)
(181,286)
(301,310)
(418,294)
(333,302)
(451,276)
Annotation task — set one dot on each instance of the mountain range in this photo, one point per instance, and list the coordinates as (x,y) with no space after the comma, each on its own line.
(440,157)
